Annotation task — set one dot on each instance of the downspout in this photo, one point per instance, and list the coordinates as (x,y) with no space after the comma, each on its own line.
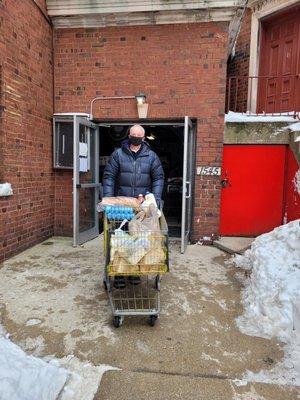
(235,26)
(42,11)
(53,107)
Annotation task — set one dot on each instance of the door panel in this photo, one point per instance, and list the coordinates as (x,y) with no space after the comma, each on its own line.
(187,182)
(85,181)
(252,199)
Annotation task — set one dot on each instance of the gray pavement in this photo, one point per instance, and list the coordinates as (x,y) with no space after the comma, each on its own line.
(52,302)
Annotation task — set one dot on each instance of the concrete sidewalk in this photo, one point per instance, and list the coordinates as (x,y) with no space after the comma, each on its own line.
(53,302)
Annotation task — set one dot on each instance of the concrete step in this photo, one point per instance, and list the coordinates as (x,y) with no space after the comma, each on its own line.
(150,385)
(233,245)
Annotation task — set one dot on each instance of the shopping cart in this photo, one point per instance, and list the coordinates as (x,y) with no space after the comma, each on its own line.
(132,280)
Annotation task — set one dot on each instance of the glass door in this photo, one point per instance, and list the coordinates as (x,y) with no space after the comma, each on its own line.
(187,182)
(85,180)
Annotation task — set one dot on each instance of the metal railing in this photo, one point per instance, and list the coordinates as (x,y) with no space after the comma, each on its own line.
(263,94)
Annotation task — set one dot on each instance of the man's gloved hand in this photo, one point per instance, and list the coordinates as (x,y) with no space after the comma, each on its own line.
(160,204)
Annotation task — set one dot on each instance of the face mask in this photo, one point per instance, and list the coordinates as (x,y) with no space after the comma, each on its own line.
(136,141)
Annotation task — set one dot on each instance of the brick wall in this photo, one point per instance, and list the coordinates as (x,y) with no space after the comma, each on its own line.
(238,66)
(182,70)
(26,103)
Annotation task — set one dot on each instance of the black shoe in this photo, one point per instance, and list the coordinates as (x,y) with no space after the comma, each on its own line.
(134,280)
(119,282)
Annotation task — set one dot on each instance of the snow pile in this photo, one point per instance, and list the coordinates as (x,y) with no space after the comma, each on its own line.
(84,379)
(24,377)
(272,297)
(247,117)
(27,378)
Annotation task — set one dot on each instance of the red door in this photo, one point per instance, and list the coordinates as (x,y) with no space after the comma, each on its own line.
(252,196)
(279,82)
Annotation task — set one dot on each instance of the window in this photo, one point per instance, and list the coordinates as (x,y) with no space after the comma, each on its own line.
(63,142)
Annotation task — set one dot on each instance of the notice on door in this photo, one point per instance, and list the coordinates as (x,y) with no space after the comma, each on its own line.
(83,149)
(83,164)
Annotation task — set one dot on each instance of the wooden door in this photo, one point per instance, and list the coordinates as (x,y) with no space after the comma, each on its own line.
(279,73)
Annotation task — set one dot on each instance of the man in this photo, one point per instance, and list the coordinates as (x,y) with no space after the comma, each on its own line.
(133,169)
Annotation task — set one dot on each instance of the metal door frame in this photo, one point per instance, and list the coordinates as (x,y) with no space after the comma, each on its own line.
(81,237)
(187,182)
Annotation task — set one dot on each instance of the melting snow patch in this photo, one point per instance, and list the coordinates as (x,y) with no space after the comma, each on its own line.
(84,378)
(208,357)
(297,181)
(252,395)
(27,378)
(30,378)
(272,297)
(33,321)
(294,127)
(240,382)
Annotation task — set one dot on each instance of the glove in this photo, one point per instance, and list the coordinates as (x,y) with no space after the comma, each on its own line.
(160,204)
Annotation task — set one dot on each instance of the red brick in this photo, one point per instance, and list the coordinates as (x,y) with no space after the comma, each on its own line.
(168,67)
(25,137)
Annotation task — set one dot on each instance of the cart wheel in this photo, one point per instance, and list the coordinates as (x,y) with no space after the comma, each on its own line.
(152,320)
(118,321)
(105,285)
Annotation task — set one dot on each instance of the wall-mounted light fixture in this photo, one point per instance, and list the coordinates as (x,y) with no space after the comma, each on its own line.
(142,106)
(151,137)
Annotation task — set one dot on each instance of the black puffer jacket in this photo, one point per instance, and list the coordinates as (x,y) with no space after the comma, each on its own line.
(125,175)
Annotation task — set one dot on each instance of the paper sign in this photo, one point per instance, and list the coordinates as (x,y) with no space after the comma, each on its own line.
(83,149)
(83,165)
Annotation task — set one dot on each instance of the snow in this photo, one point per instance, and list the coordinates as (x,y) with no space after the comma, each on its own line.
(84,378)
(27,378)
(243,117)
(24,377)
(5,189)
(297,181)
(294,127)
(271,297)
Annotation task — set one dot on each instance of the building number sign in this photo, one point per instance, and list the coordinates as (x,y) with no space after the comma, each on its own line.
(216,171)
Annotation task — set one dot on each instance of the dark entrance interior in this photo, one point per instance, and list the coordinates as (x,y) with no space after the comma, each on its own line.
(166,139)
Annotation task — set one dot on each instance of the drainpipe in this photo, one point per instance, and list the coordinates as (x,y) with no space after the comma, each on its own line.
(235,26)
(45,15)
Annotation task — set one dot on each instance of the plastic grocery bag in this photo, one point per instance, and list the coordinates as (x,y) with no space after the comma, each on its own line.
(121,266)
(130,248)
(150,200)
(145,222)
(154,256)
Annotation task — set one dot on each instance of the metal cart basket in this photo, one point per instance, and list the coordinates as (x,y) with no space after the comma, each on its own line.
(134,263)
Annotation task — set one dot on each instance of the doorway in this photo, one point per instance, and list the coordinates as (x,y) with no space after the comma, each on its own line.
(168,140)
(93,142)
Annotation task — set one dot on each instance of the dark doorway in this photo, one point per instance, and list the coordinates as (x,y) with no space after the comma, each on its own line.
(166,139)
